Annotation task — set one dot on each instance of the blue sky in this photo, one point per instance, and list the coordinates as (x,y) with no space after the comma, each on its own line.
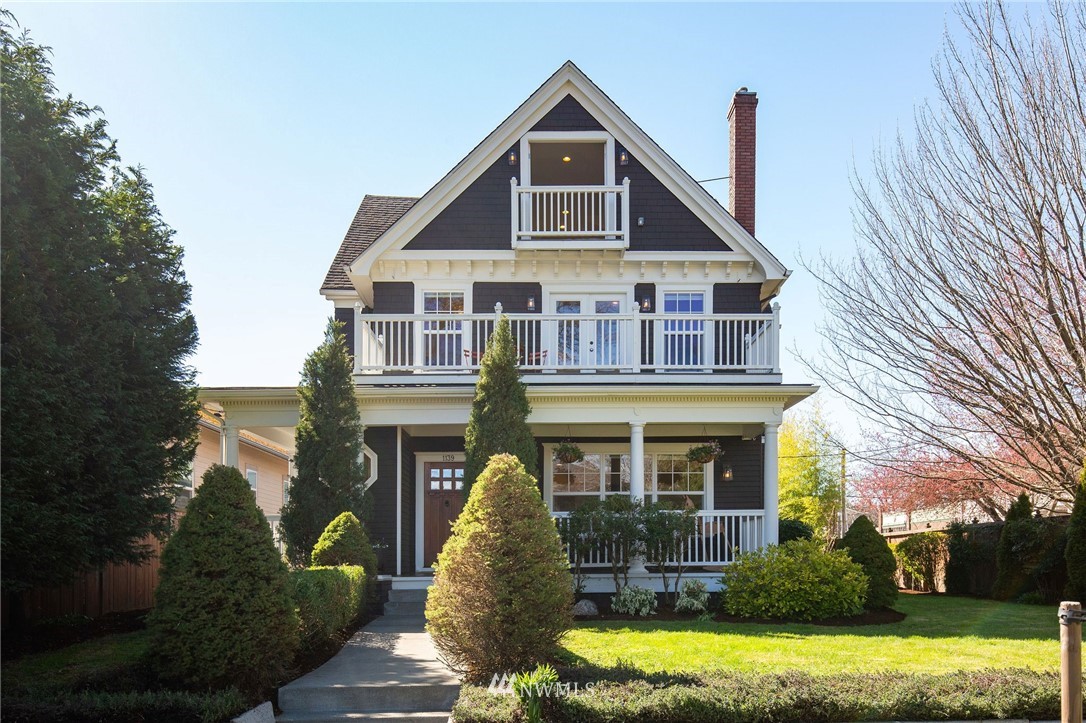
(263,125)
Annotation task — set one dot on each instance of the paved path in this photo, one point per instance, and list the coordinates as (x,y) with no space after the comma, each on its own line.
(388,671)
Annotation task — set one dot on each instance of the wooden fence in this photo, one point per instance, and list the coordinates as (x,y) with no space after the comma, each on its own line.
(113,589)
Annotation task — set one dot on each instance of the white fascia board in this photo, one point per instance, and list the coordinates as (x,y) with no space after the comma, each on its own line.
(568,80)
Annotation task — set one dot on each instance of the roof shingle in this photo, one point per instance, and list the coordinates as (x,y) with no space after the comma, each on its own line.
(374,216)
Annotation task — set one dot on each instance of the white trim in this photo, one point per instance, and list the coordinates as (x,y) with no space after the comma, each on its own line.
(567,137)
(399,499)
(570,80)
(255,483)
(372,456)
(421,458)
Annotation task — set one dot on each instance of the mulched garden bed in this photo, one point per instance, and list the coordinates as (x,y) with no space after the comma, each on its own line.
(662,613)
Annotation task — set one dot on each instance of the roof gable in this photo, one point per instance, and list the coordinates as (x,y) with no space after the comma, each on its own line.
(551,100)
(374,216)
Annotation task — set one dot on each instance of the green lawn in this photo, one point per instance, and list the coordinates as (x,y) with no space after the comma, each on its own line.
(108,659)
(940,634)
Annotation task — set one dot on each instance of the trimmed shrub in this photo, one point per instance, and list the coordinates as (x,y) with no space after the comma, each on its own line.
(693,597)
(971,558)
(1075,552)
(130,707)
(798,580)
(920,558)
(733,697)
(1012,578)
(1030,554)
(634,600)
(223,613)
(502,590)
(869,549)
(328,599)
(345,542)
(789,529)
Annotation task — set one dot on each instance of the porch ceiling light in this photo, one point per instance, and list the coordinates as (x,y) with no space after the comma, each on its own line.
(566,159)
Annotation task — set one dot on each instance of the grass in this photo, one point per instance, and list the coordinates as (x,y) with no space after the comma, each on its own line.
(940,635)
(108,659)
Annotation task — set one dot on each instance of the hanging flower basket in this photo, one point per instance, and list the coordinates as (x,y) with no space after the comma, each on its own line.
(704,453)
(567,452)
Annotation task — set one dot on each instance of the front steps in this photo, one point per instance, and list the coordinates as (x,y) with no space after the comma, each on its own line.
(410,602)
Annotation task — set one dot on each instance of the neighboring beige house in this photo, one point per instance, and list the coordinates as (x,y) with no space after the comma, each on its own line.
(265,464)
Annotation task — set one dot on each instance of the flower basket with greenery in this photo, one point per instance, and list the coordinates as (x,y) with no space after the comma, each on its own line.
(704,453)
(568,452)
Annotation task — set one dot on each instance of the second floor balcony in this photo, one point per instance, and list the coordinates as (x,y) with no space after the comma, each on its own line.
(570,217)
(571,343)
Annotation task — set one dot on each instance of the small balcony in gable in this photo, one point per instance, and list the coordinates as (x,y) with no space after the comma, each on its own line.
(568,197)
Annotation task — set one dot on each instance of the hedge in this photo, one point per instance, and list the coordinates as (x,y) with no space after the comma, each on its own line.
(328,599)
(129,707)
(793,696)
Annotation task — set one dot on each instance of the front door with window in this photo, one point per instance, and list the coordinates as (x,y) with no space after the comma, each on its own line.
(595,341)
(443,500)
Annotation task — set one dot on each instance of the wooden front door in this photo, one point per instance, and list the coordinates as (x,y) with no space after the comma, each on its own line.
(443,491)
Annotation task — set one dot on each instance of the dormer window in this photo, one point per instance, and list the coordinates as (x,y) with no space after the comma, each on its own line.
(567,158)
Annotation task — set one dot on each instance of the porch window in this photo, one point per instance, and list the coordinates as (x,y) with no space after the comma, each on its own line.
(593,478)
(679,482)
(683,338)
(443,340)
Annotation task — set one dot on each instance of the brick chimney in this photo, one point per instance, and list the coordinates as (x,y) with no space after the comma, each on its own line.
(742,114)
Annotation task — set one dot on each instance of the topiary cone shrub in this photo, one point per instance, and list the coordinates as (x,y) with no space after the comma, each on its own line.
(502,589)
(869,549)
(345,542)
(223,613)
(1075,552)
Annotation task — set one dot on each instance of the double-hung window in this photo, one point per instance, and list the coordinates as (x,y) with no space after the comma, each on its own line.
(443,340)
(670,479)
(684,339)
(251,475)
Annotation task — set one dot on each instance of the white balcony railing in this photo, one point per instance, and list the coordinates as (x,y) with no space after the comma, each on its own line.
(556,215)
(720,536)
(632,342)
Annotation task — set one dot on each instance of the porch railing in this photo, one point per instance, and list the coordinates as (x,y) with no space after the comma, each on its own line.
(631,342)
(570,212)
(720,536)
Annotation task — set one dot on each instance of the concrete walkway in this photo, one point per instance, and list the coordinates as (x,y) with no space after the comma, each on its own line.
(388,671)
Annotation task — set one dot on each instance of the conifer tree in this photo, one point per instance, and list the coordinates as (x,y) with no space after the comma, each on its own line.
(328,442)
(499,413)
(1075,553)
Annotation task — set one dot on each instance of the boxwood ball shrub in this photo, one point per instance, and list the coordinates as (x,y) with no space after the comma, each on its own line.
(869,549)
(223,613)
(328,599)
(789,529)
(798,580)
(502,590)
(345,542)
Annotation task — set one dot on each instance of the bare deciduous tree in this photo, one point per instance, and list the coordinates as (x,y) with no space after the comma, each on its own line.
(960,325)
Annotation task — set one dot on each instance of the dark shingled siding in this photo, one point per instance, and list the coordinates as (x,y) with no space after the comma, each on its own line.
(393,297)
(737,298)
(382,523)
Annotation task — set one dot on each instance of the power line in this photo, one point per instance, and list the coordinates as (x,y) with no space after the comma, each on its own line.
(719,178)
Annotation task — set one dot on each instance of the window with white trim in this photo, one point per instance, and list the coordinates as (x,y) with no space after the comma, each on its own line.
(286,488)
(443,341)
(670,478)
(684,338)
(251,475)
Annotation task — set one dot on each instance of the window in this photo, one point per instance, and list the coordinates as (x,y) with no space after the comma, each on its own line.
(678,482)
(594,477)
(446,477)
(444,340)
(286,489)
(250,474)
(683,338)
(670,479)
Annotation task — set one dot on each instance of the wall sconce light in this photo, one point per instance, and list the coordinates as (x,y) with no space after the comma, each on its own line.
(512,158)
(623,157)
(531,303)
(726,473)
(646,304)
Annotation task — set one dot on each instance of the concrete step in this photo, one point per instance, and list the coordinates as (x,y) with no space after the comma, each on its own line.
(375,717)
(368,698)
(411,608)
(395,595)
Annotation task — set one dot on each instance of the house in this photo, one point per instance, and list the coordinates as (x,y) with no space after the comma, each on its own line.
(645,314)
(265,464)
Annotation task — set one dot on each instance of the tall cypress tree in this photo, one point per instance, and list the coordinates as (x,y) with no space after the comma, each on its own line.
(499,413)
(98,407)
(1075,552)
(328,443)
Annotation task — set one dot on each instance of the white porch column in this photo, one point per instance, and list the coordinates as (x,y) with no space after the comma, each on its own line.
(637,479)
(230,438)
(770,496)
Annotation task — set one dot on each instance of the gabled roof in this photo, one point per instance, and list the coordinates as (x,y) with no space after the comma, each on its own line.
(374,216)
(568,80)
